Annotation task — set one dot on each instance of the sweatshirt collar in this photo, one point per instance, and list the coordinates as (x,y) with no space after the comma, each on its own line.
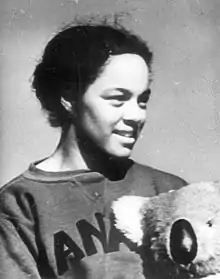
(35,173)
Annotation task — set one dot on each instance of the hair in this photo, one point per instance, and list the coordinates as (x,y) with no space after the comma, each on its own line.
(74,58)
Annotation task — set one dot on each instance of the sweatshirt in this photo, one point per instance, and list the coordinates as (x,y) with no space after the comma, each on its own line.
(60,224)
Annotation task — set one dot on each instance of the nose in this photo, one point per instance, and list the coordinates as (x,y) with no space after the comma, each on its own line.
(183,242)
(133,113)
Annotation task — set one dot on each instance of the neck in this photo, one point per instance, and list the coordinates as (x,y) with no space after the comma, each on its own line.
(75,151)
(97,160)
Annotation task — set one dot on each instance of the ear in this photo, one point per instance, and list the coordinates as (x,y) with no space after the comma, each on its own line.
(129,212)
(67,105)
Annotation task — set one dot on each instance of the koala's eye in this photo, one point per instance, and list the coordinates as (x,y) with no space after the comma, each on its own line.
(210,223)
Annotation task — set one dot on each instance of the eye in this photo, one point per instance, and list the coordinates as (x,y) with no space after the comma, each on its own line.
(116,97)
(116,101)
(143,105)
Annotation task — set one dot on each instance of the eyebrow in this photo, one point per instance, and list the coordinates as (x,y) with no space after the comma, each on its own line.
(124,91)
(147,92)
(128,92)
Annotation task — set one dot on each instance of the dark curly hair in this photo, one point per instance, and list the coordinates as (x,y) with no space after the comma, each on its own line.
(74,58)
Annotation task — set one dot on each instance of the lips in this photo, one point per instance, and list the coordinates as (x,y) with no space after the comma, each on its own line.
(126,134)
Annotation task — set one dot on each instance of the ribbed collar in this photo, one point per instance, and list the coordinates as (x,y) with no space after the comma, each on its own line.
(83,175)
(37,174)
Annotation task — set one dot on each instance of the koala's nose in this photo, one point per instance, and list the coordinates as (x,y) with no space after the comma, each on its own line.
(183,242)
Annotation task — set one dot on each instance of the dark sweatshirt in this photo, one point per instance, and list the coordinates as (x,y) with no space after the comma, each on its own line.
(59,224)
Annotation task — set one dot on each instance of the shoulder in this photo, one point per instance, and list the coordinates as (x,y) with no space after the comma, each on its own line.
(162,181)
(20,191)
(15,191)
(13,185)
(16,203)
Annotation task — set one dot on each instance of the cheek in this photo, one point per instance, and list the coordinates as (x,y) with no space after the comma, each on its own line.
(101,118)
(103,114)
(144,114)
(143,119)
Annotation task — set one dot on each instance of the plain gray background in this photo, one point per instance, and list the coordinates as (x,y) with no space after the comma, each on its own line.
(182,132)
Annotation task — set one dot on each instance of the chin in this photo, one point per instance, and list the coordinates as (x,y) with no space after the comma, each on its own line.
(122,153)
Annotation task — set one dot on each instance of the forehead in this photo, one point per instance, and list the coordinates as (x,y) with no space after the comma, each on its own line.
(128,71)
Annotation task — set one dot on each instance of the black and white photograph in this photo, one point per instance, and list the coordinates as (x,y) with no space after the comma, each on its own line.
(110,139)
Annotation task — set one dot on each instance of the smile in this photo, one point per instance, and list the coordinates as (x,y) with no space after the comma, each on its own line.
(125,134)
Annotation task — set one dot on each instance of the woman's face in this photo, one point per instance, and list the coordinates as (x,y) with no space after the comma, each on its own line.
(113,109)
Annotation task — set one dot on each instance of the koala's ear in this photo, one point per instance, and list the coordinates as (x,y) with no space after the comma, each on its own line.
(129,212)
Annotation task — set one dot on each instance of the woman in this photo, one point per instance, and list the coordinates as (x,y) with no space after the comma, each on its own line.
(93,81)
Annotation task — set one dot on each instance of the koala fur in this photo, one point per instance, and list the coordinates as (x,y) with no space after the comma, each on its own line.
(178,233)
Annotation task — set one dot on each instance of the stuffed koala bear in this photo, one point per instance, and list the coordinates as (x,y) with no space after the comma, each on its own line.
(177,233)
